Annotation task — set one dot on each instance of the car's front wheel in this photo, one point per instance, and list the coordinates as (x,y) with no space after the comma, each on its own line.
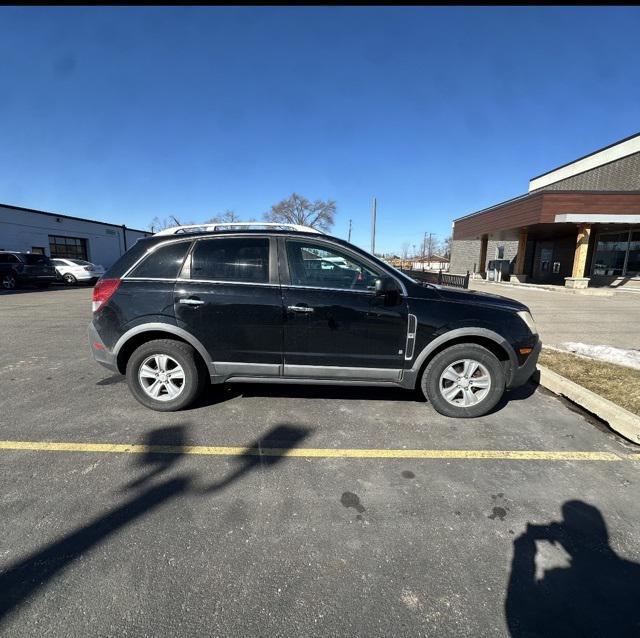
(465,380)
(164,375)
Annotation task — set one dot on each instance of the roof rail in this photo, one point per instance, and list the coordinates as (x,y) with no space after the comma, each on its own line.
(231,226)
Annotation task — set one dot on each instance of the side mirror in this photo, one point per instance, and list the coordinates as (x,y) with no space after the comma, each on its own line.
(386,287)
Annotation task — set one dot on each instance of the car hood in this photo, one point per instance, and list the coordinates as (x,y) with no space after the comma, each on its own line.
(480,299)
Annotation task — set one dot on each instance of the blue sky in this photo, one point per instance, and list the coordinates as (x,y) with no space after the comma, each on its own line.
(122,114)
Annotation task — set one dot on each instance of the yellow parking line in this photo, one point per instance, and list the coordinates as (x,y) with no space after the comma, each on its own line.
(354,453)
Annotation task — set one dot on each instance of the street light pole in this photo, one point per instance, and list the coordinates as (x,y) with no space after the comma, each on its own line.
(349,237)
(373,226)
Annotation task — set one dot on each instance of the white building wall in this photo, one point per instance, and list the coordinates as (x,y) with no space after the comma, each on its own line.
(24,230)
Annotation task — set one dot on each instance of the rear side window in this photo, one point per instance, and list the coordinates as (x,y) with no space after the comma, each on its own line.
(33,259)
(163,263)
(231,259)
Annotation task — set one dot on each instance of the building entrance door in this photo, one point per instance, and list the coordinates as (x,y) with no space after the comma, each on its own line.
(543,265)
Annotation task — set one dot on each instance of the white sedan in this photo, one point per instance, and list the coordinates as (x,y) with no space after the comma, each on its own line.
(72,271)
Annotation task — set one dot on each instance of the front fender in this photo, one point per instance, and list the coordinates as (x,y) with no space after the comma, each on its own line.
(410,376)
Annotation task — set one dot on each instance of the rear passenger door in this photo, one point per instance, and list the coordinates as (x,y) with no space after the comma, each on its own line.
(228,296)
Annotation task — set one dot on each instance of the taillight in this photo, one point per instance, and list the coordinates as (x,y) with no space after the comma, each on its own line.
(88,268)
(103,291)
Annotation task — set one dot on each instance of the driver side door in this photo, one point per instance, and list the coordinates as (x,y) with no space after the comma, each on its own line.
(335,325)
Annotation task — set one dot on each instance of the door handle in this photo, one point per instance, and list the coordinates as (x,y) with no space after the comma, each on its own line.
(303,309)
(191,302)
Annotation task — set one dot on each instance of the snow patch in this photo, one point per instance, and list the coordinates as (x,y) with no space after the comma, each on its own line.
(620,356)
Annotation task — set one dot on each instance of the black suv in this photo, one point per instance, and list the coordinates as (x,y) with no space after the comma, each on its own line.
(178,311)
(25,268)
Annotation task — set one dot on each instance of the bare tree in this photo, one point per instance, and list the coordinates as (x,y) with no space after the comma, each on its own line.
(229,216)
(446,247)
(297,209)
(157,224)
(405,250)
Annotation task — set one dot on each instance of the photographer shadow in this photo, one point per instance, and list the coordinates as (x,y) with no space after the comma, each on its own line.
(597,595)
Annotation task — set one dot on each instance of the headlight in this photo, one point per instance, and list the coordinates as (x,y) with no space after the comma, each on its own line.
(525,315)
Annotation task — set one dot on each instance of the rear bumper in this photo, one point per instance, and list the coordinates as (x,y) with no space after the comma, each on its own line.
(100,352)
(523,373)
(87,276)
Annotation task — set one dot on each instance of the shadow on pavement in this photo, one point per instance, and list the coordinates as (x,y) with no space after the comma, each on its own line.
(228,391)
(166,447)
(517,394)
(598,594)
(313,391)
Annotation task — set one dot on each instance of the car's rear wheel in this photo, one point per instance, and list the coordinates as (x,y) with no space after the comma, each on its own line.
(9,282)
(465,380)
(164,375)
(69,279)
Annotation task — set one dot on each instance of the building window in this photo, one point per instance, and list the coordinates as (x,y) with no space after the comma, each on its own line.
(633,260)
(617,254)
(68,247)
(500,252)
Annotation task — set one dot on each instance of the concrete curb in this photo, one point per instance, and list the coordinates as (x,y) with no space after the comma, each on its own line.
(589,292)
(620,420)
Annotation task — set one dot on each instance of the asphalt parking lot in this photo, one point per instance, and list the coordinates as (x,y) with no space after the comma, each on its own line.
(290,510)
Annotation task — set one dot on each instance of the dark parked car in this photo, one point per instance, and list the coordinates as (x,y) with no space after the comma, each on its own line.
(18,268)
(259,303)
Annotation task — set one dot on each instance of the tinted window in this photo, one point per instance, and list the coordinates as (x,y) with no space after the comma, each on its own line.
(33,260)
(163,263)
(232,259)
(322,267)
(80,262)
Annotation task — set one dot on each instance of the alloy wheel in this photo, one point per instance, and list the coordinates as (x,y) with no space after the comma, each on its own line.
(465,382)
(161,377)
(8,282)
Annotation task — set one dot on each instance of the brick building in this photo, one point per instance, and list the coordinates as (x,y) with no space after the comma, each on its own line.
(578,225)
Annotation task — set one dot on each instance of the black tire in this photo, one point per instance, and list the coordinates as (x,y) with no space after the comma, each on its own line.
(430,383)
(195,377)
(69,279)
(9,281)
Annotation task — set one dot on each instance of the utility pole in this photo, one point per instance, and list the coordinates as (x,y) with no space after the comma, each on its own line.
(373,226)
(430,245)
(349,238)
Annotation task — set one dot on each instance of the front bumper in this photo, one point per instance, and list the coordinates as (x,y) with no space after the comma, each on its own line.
(100,352)
(523,373)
